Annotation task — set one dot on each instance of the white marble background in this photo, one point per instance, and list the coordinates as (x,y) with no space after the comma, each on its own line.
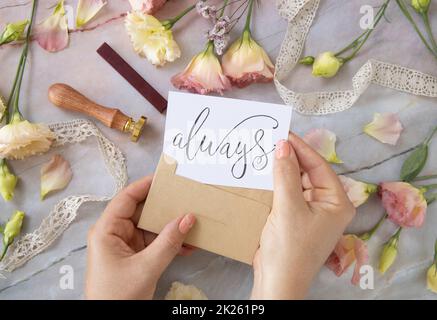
(80,66)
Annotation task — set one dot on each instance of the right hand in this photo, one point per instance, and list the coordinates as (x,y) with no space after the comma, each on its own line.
(310,213)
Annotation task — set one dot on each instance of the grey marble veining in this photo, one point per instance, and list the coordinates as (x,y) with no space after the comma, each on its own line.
(219,277)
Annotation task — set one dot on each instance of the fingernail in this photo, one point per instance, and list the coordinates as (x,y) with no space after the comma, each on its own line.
(282,149)
(187,223)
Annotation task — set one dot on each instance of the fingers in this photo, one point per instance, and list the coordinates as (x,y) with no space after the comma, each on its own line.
(319,171)
(168,243)
(125,203)
(286,176)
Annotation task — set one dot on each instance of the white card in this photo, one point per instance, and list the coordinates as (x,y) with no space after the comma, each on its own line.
(224,141)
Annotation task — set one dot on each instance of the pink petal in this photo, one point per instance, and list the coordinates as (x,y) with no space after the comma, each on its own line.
(52,33)
(323,141)
(55,175)
(385,127)
(404,204)
(361,256)
(358,192)
(203,75)
(147,6)
(87,9)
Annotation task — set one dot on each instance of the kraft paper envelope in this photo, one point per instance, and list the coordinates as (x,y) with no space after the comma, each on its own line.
(229,219)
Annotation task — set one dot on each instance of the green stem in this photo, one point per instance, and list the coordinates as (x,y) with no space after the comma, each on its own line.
(431,198)
(428,29)
(222,11)
(379,16)
(422,178)
(366,236)
(19,77)
(249,16)
(353,44)
(407,15)
(5,249)
(169,23)
(429,187)
(428,139)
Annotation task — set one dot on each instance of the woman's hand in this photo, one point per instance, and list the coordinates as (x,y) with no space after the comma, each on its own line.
(310,212)
(123,261)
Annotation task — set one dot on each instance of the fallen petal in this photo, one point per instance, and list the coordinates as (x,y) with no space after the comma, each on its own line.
(87,9)
(55,175)
(147,6)
(323,141)
(385,127)
(52,33)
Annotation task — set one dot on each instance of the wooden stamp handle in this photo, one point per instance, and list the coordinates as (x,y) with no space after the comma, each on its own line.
(66,97)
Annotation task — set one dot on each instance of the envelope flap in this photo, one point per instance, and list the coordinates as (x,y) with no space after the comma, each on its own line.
(228,223)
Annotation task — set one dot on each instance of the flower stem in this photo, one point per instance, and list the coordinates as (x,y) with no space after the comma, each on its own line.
(431,198)
(5,249)
(222,11)
(15,95)
(407,15)
(429,186)
(249,16)
(169,23)
(428,29)
(428,139)
(422,178)
(367,34)
(366,236)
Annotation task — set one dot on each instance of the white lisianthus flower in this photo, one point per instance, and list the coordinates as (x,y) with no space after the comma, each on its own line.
(20,139)
(151,39)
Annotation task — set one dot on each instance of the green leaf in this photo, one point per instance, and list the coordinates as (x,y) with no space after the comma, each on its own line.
(414,164)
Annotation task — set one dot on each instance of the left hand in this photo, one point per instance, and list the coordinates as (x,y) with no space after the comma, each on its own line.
(125,262)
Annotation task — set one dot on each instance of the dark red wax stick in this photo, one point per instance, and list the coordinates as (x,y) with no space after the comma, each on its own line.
(133,77)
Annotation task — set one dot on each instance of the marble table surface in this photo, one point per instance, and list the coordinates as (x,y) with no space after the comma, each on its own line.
(219,277)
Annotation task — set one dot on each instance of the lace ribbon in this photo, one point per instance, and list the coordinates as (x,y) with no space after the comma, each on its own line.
(65,211)
(300,15)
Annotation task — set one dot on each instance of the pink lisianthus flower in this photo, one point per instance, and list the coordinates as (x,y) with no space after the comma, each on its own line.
(405,204)
(203,74)
(358,192)
(246,62)
(348,250)
(147,6)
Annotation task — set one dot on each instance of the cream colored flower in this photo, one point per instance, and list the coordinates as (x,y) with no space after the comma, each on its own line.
(180,291)
(55,175)
(21,139)
(151,39)
(203,74)
(246,62)
(87,9)
(13,31)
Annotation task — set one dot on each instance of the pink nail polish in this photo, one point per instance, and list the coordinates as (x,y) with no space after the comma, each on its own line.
(282,149)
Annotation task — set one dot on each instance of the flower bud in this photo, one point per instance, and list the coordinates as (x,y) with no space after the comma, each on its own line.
(431,279)
(7,182)
(308,60)
(13,31)
(12,230)
(389,253)
(421,6)
(326,65)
